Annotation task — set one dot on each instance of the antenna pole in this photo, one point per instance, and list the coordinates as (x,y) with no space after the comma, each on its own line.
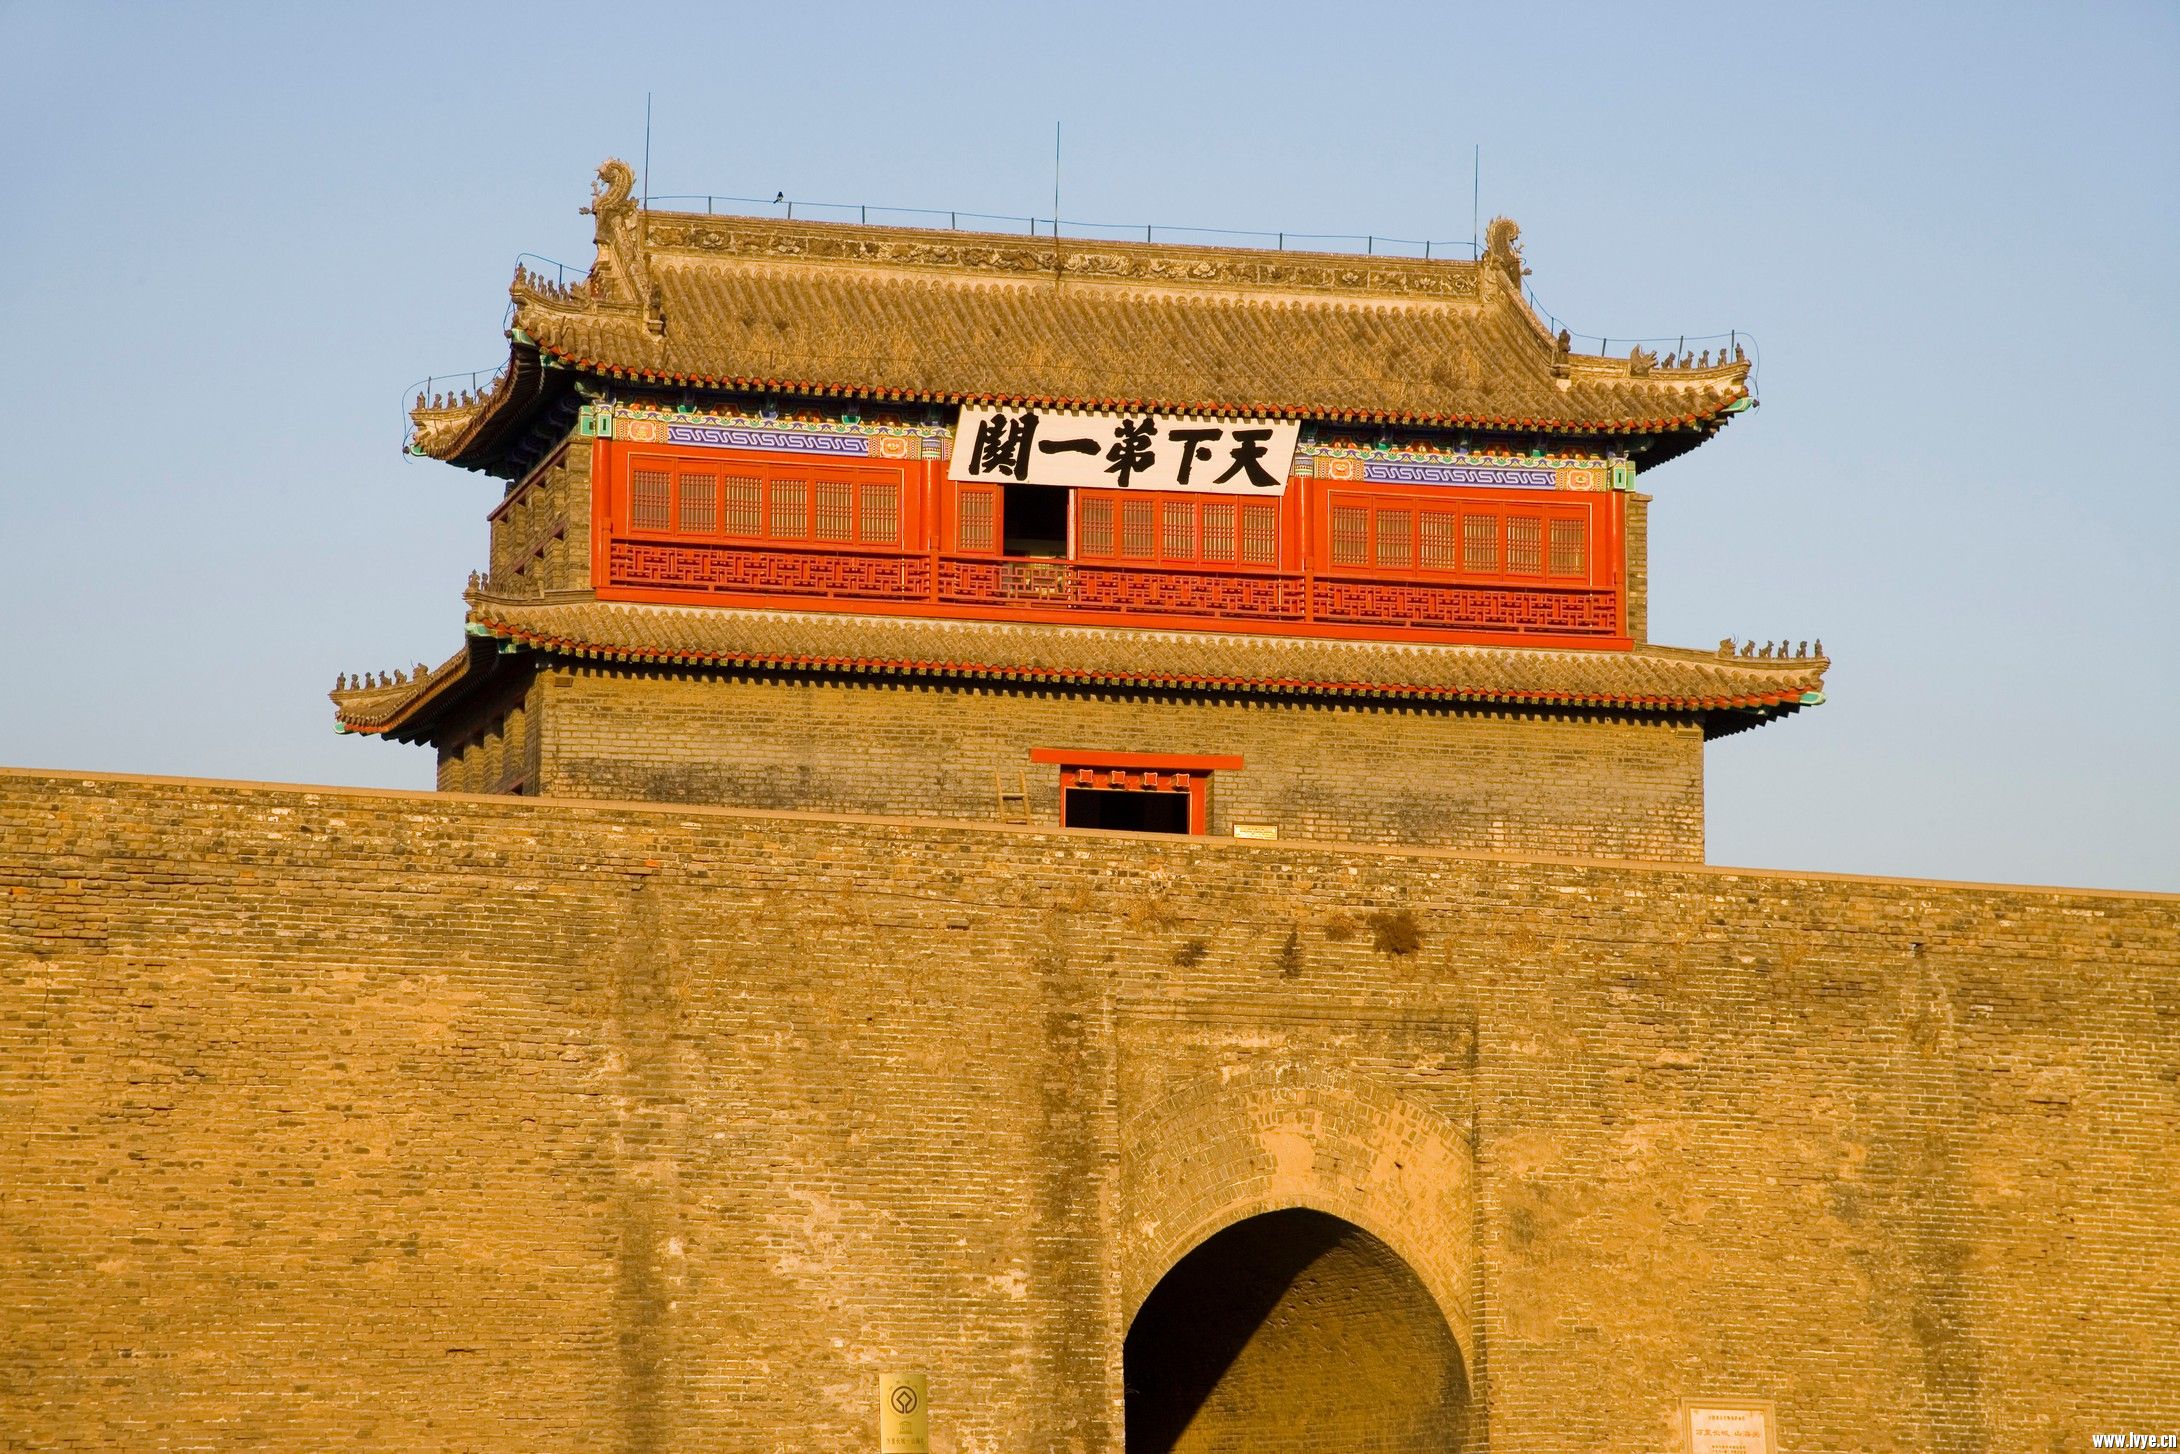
(1057,267)
(1475,200)
(647,151)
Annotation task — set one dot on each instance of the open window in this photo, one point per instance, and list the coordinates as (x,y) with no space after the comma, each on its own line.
(1135,792)
(1034,518)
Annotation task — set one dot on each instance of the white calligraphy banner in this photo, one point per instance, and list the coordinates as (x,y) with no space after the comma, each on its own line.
(1124,451)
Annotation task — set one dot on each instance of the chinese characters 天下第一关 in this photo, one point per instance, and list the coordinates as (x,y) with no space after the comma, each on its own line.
(1124,451)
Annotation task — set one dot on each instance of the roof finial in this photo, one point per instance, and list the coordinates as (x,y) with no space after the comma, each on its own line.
(1502,247)
(619,235)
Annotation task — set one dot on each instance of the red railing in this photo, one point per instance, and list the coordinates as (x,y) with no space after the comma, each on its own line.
(1033,589)
(769,570)
(1512,610)
(1125,589)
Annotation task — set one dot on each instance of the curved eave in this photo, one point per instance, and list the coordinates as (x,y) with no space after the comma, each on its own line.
(1722,714)
(400,713)
(499,426)
(1710,414)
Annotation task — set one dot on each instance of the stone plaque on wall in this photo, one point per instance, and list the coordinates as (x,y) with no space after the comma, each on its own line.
(904,1421)
(1730,1426)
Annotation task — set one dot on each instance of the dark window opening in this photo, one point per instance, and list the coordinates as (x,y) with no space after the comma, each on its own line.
(1128,810)
(1036,521)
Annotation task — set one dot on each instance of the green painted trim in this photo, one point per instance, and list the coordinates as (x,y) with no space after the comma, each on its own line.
(1741,405)
(1812,699)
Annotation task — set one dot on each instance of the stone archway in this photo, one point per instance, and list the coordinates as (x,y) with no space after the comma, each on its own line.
(1293,1331)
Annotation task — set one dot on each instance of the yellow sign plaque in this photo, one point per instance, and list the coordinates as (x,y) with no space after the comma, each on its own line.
(904,1418)
(1730,1426)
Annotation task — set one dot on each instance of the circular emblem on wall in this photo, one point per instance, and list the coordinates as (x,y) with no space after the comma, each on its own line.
(904,1399)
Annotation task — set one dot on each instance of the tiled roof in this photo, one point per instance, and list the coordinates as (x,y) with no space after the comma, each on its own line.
(1730,692)
(749,304)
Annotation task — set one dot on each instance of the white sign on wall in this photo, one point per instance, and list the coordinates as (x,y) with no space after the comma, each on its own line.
(1730,1427)
(1124,451)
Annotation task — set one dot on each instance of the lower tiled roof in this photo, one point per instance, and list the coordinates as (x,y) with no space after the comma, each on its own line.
(1730,692)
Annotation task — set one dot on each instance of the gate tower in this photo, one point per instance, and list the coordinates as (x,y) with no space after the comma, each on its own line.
(926,523)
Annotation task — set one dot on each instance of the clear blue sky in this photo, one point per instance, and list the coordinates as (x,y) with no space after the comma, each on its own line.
(240,232)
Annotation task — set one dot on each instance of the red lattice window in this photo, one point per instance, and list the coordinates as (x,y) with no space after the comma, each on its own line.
(1175,529)
(881,518)
(1218,529)
(834,518)
(699,504)
(1259,534)
(754,500)
(1480,545)
(650,500)
(976,522)
(1135,528)
(1094,524)
(1568,553)
(1396,538)
(1524,545)
(790,509)
(1350,535)
(1434,539)
(745,505)
(1178,521)
(1411,536)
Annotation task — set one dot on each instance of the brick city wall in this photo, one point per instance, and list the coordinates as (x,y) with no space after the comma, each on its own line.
(336,1118)
(1503,781)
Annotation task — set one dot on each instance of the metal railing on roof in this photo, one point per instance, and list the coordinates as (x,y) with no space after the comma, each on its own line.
(1359,243)
(1688,345)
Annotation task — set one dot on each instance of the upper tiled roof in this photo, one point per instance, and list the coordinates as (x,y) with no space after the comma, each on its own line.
(738,303)
(1729,692)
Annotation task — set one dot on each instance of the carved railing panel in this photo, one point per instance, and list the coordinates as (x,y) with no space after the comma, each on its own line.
(1510,610)
(1121,589)
(770,572)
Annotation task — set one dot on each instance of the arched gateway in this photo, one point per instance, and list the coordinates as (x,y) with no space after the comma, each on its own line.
(1299,1266)
(1288,1331)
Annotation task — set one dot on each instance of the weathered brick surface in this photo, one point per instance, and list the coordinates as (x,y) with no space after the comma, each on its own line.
(1501,780)
(541,531)
(339,1119)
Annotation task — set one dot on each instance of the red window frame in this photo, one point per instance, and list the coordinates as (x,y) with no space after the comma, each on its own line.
(1489,537)
(1148,527)
(731,498)
(1140,772)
